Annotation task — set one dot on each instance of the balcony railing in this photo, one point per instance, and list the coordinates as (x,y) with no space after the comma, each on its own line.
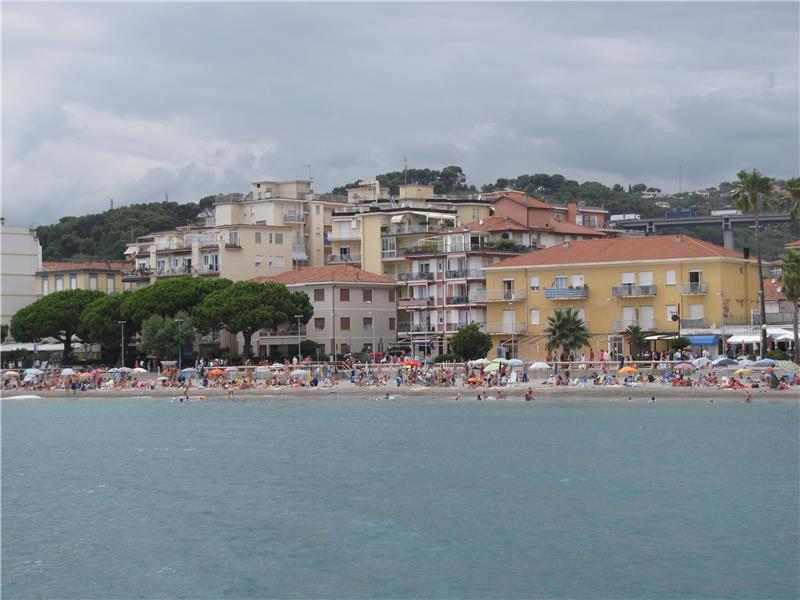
(464,274)
(643,324)
(694,288)
(211,269)
(294,217)
(416,328)
(477,296)
(414,302)
(393,254)
(282,331)
(344,235)
(504,295)
(694,323)
(173,271)
(632,291)
(455,326)
(457,300)
(778,318)
(136,274)
(566,293)
(419,276)
(517,328)
(406,229)
(342,259)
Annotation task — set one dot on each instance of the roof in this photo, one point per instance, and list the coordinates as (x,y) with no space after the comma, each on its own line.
(93,265)
(771,293)
(794,244)
(636,249)
(328,274)
(495,223)
(521,198)
(565,228)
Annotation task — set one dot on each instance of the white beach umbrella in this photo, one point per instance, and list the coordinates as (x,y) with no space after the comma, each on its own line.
(67,372)
(299,373)
(538,366)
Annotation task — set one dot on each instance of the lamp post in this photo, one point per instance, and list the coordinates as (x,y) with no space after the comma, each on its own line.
(513,326)
(299,352)
(372,326)
(762,350)
(122,343)
(179,322)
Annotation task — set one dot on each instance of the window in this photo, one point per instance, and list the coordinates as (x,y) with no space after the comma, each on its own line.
(258,237)
(669,278)
(344,295)
(345,348)
(695,276)
(110,284)
(269,238)
(391,323)
(560,282)
(316,209)
(45,285)
(628,278)
(534,316)
(279,238)
(577,281)
(161,264)
(279,262)
(367,323)
(391,295)
(93,281)
(319,323)
(534,282)
(672,309)
(126,286)
(366,295)
(319,295)
(73,281)
(233,238)
(646,278)
(344,324)
(59,283)
(258,260)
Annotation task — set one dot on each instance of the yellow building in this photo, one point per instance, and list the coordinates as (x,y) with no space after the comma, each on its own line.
(666,285)
(105,276)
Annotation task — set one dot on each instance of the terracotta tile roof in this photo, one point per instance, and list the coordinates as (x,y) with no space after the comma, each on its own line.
(771,293)
(328,273)
(565,228)
(92,265)
(495,223)
(794,244)
(620,249)
(520,198)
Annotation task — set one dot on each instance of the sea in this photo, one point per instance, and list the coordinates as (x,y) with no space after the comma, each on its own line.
(407,498)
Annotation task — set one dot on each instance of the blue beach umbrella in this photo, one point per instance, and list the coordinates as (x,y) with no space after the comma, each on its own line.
(765,362)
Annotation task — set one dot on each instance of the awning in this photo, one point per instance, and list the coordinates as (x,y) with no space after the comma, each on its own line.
(660,337)
(744,339)
(702,340)
(397,218)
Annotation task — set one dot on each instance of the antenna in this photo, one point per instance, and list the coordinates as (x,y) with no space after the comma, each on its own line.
(680,178)
(405,171)
(309,172)
(111,204)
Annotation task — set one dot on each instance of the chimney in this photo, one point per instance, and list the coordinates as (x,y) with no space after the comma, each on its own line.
(572,212)
(746,253)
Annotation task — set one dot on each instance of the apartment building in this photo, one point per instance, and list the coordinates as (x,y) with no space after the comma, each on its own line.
(20,259)
(354,311)
(102,275)
(666,285)
(536,214)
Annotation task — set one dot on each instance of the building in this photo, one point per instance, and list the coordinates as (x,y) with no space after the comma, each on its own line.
(20,259)
(536,214)
(354,311)
(105,276)
(665,285)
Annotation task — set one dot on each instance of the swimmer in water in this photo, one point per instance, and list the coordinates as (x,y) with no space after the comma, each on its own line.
(386,397)
(652,398)
(479,396)
(748,397)
(529,395)
(458,396)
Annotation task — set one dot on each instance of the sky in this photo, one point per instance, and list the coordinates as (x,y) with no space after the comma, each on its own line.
(138,101)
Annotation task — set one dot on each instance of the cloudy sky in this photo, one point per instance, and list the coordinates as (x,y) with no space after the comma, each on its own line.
(135,101)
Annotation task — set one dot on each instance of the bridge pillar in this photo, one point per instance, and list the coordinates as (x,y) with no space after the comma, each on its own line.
(727,234)
(650,228)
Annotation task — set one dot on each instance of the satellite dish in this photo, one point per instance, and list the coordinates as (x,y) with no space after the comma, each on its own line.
(674,317)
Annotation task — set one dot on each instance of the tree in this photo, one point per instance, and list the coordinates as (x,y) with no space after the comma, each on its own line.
(748,192)
(566,330)
(469,342)
(790,285)
(791,200)
(247,306)
(100,324)
(680,342)
(162,337)
(3,332)
(167,297)
(635,337)
(56,315)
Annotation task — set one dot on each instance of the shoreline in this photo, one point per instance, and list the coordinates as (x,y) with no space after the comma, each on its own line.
(515,393)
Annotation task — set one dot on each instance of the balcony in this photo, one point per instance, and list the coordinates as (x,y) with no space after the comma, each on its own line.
(136,274)
(233,245)
(694,324)
(633,291)
(504,295)
(406,229)
(299,252)
(173,271)
(416,328)
(517,328)
(455,326)
(477,296)
(643,324)
(282,331)
(566,293)
(777,318)
(338,236)
(397,254)
(211,269)
(344,259)
(697,288)
(294,217)
(464,274)
(457,300)
(419,276)
(414,302)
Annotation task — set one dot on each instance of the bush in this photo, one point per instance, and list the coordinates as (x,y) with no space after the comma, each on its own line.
(445,358)
(679,343)
(777,355)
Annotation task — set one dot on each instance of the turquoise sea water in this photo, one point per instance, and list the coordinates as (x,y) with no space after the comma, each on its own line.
(354,498)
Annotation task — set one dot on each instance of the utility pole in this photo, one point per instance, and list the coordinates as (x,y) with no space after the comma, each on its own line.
(179,322)
(299,352)
(122,343)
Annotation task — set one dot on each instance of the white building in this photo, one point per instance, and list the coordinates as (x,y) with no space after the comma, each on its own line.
(20,259)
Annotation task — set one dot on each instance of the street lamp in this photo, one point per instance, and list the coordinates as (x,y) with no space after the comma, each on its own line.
(513,326)
(372,325)
(122,343)
(299,352)
(179,322)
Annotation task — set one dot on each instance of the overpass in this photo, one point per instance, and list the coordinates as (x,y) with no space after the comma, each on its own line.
(651,225)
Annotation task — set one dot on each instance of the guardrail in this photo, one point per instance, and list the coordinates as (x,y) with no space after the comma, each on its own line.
(632,291)
(566,293)
(694,288)
(694,323)
(414,302)
(516,328)
(341,259)
(504,295)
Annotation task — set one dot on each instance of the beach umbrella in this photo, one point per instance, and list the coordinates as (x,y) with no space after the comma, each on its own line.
(10,375)
(216,372)
(788,366)
(746,362)
(481,361)
(412,363)
(725,362)
(700,362)
(67,372)
(743,372)
(278,366)
(765,362)
(628,370)
(515,362)
(500,361)
(113,370)
(231,369)
(492,367)
(539,366)
(33,371)
(684,366)
(125,370)
(188,371)
(473,380)
(299,373)
(85,375)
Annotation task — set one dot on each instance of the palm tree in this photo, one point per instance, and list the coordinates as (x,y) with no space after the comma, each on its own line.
(790,285)
(748,192)
(566,331)
(792,199)
(635,337)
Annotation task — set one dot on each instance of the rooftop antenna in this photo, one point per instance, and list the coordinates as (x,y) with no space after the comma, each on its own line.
(680,178)
(405,171)
(111,204)
(309,172)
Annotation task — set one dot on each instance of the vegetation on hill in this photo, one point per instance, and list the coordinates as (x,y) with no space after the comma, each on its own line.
(450,180)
